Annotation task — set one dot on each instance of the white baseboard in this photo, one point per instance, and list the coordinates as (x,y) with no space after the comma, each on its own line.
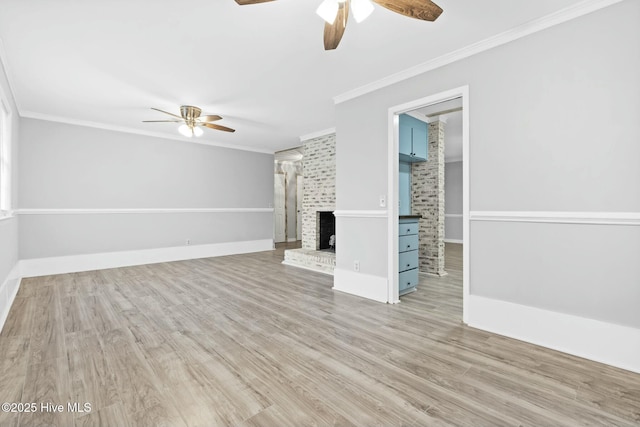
(76,263)
(362,285)
(8,291)
(454,241)
(292,239)
(603,342)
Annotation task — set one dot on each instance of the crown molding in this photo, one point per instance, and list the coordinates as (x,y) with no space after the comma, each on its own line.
(317,134)
(563,15)
(123,129)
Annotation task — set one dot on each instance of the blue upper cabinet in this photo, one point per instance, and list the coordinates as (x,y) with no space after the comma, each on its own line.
(413,139)
(406,136)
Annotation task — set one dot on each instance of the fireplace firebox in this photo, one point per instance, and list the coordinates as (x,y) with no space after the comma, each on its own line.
(326,230)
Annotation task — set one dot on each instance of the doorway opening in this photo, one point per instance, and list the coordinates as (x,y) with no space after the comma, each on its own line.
(419,188)
(288,193)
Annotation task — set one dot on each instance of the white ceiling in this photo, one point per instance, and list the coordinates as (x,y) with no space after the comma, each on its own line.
(262,67)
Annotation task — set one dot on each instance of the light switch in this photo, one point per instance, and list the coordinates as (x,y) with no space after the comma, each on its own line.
(383,201)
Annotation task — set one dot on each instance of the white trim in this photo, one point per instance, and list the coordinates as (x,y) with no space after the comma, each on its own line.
(8,291)
(593,218)
(318,134)
(292,239)
(124,129)
(88,262)
(466,224)
(603,342)
(360,284)
(440,118)
(418,116)
(392,185)
(393,209)
(563,15)
(453,215)
(4,215)
(139,211)
(454,241)
(378,213)
(7,143)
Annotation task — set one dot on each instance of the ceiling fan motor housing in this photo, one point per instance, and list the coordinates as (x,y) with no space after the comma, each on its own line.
(189,112)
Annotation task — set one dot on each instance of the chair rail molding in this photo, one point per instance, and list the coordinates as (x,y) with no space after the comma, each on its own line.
(65,211)
(375,213)
(559,217)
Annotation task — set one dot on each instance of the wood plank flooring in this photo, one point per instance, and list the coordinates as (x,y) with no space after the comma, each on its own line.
(245,341)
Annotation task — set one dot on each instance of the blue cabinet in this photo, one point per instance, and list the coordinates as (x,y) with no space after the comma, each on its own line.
(404,187)
(413,139)
(408,255)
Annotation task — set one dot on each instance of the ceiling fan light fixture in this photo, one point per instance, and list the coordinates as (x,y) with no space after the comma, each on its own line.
(328,10)
(192,120)
(185,131)
(361,9)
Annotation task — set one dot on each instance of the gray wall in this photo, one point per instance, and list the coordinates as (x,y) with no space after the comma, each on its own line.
(65,166)
(553,127)
(453,200)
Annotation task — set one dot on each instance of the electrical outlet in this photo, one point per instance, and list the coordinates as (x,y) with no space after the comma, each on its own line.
(356,265)
(383,201)
(188,242)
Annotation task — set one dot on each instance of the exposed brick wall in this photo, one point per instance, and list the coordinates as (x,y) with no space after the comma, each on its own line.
(319,170)
(427,192)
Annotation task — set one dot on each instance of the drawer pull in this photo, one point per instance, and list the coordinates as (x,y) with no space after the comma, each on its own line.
(408,246)
(408,265)
(408,230)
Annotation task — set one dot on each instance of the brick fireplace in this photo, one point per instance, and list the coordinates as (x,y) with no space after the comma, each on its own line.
(318,204)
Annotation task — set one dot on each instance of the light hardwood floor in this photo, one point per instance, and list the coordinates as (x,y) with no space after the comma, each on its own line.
(245,341)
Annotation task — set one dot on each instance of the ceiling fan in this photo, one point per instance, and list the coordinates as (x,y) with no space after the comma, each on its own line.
(336,12)
(192,121)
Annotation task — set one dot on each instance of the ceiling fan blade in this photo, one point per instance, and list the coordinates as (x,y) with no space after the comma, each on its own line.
(216,127)
(333,33)
(161,121)
(166,112)
(209,118)
(419,9)
(243,2)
